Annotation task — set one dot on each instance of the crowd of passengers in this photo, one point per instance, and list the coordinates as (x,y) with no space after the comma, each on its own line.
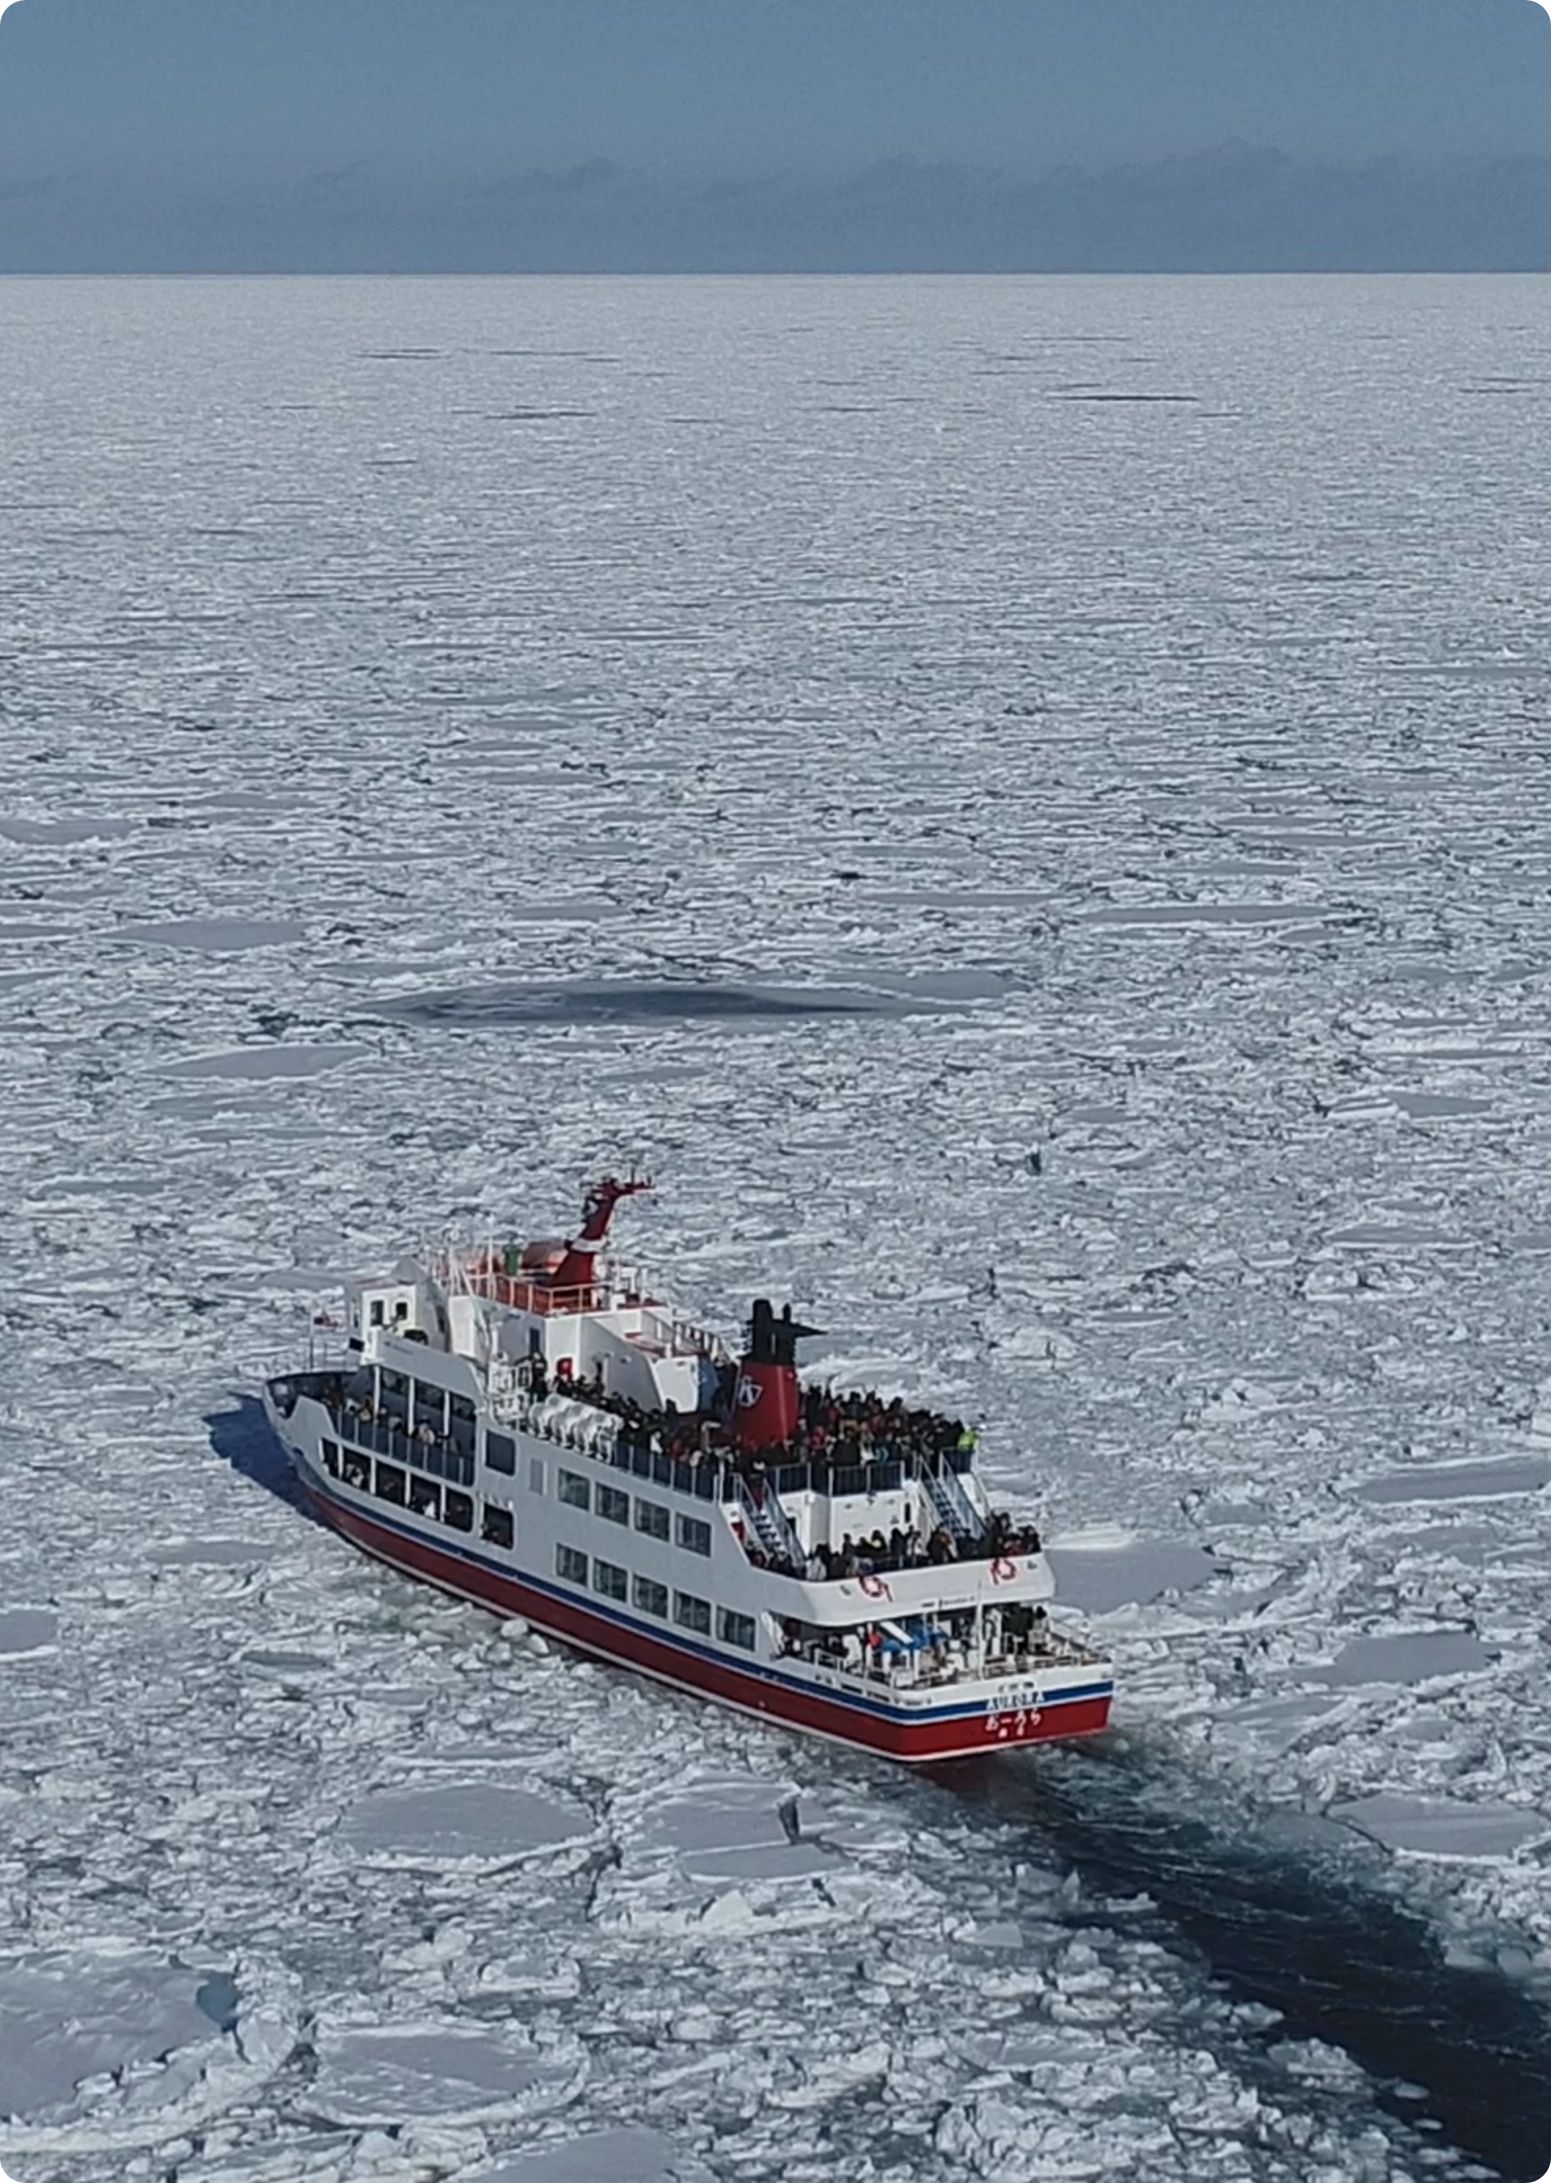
(884,1554)
(1019,1637)
(846,1431)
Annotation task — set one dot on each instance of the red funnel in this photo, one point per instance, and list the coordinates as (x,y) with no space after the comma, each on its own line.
(767,1403)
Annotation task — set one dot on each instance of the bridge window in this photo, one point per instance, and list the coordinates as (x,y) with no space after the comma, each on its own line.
(691,1613)
(613,1504)
(460,1510)
(609,1579)
(501,1453)
(652,1518)
(694,1534)
(572,1489)
(497,1528)
(570,1565)
(735,1629)
(651,1597)
(376,1311)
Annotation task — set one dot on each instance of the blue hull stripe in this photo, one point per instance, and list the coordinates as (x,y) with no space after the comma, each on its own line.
(662,1633)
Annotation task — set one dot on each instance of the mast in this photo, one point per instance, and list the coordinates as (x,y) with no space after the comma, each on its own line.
(575,1270)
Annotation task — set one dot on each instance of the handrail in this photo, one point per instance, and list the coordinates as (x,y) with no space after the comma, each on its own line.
(942,1488)
(769,1512)
(614,1287)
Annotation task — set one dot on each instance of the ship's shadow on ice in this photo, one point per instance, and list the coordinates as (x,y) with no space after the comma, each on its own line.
(241,1436)
(1289,1912)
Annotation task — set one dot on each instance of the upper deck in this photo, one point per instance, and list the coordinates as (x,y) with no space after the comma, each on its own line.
(614,1293)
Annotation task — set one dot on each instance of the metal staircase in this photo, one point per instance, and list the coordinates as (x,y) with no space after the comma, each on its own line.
(770,1524)
(955,1511)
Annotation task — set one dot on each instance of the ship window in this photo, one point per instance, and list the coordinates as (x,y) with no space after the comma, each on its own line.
(613,1504)
(497,1528)
(694,1534)
(652,1518)
(460,1510)
(571,1565)
(609,1579)
(424,1498)
(501,1453)
(429,1408)
(691,1613)
(376,1311)
(651,1597)
(358,1472)
(331,1457)
(390,1484)
(572,1489)
(462,1408)
(735,1629)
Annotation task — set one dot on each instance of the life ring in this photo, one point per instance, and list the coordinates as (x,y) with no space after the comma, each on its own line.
(876,1588)
(1003,1571)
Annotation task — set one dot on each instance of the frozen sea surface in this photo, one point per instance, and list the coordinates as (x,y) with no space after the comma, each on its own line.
(1050,876)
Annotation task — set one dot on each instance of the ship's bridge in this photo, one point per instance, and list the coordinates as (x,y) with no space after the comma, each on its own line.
(611,1331)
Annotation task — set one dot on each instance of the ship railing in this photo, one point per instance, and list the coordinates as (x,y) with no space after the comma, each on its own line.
(926,1671)
(682,1337)
(590,1431)
(704,1481)
(615,1287)
(841,1481)
(441,1455)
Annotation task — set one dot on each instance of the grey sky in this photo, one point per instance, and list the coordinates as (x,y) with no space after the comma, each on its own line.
(515,133)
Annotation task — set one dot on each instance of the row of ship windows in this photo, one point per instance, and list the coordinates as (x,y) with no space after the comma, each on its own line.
(421,1496)
(651,1598)
(446,1505)
(433,1405)
(650,1517)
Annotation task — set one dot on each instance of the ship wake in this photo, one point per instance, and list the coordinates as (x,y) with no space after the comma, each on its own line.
(1296,1918)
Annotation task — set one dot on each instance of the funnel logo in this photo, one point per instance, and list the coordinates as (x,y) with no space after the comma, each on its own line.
(749,1391)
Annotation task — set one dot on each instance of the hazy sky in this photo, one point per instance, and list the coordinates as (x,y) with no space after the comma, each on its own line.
(273,132)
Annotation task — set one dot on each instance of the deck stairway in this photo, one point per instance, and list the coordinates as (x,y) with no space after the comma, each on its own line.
(952,1505)
(770,1525)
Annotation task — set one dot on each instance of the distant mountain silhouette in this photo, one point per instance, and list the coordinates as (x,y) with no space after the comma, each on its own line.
(1233,207)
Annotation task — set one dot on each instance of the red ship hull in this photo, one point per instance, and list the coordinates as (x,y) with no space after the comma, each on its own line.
(864,1724)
